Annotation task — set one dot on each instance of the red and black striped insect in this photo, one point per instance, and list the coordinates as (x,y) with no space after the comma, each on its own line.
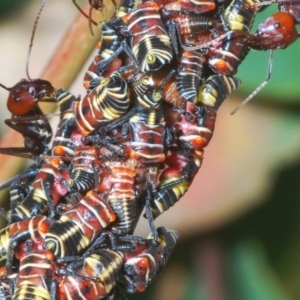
(93,276)
(144,263)
(85,169)
(193,135)
(147,125)
(149,44)
(190,72)
(119,183)
(144,130)
(79,227)
(12,236)
(226,59)
(19,185)
(67,137)
(34,280)
(108,101)
(182,166)
(47,189)
(184,25)
(110,42)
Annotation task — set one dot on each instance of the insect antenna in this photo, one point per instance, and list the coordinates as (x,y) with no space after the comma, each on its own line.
(32,36)
(260,87)
(89,16)
(6,88)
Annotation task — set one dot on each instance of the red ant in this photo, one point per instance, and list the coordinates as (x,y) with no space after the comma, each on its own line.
(27,117)
(276,32)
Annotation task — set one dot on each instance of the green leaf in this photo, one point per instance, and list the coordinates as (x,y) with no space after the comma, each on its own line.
(250,276)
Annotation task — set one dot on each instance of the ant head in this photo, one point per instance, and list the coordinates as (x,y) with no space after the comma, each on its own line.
(24,96)
(278,31)
(96,4)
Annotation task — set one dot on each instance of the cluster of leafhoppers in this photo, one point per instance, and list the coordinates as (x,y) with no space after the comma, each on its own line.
(130,147)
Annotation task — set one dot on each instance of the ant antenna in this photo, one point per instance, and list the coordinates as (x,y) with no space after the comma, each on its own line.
(260,87)
(32,36)
(89,16)
(6,88)
(91,21)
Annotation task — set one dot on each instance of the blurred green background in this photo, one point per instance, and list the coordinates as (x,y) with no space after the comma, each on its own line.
(239,223)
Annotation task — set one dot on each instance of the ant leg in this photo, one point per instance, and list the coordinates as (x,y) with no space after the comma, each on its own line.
(149,216)
(123,48)
(53,288)
(173,30)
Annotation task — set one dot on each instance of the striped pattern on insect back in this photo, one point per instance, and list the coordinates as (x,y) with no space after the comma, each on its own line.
(94,277)
(140,270)
(122,196)
(216,89)
(183,166)
(17,192)
(35,203)
(4,242)
(150,42)
(32,229)
(174,181)
(189,74)
(48,182)
(83,171)
(227,58)
(63,144)
(192,25)
(78,227)
(106,102)
(34,279)
(148,125)
(110,43)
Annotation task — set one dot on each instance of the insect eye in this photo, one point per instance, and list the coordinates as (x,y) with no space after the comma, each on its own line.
(31,90)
